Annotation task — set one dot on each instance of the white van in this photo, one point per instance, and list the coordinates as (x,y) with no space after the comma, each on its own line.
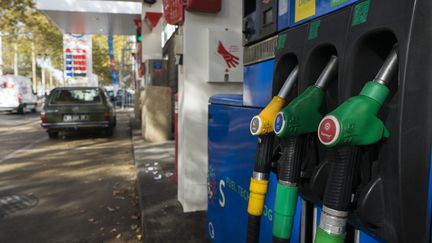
(16,94)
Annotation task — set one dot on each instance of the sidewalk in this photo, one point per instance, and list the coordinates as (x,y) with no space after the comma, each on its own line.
(162,217)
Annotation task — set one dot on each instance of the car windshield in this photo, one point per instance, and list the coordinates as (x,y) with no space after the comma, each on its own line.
(76,96)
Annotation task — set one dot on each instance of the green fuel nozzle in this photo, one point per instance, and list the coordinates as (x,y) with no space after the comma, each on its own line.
(262,126)
(352,124)
(301,116)
(355,122)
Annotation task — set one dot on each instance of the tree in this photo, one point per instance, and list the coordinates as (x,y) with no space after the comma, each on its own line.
(101,61)
(22,23)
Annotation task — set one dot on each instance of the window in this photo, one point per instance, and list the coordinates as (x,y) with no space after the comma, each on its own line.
(76,96)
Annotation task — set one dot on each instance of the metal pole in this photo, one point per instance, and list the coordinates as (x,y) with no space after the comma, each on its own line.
(121,78)
(33,60)
(43,80)
(1,54)
(16,58)
(51,84)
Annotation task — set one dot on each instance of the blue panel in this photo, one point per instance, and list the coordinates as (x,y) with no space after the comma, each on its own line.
(365,238)
(257,86)
(323,7)
(429,209)
(231,156)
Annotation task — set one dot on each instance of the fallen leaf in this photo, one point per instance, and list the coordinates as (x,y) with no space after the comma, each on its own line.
(117,207)
(114,230)
(91,220)
(118,236)
(134,217)
(139,237)
(110,209)
(134,227)
(101,228)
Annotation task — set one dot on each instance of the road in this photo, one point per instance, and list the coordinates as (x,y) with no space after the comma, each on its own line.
(79,188)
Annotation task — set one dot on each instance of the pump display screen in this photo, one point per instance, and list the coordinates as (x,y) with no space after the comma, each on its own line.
(268,17)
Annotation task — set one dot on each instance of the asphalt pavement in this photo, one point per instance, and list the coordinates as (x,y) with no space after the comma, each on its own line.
(79,188)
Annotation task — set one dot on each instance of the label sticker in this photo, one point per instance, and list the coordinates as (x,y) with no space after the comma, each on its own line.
(328,130)
(361,12)
(279,123)
(281,41)
(255,125)
(283,7)
(314,30)
(335,3)
(304,9)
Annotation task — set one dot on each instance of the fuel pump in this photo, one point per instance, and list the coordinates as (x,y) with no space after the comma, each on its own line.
(262,126)
(301,116)
(352,124)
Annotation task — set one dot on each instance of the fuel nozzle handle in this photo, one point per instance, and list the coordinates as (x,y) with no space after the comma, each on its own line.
(259,185)
(302,115)
(355,122)
(352,124)
(263,123)
(299,117)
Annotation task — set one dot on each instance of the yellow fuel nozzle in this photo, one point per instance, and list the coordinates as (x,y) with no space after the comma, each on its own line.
(263,123)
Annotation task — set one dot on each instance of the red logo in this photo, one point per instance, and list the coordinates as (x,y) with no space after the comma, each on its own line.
(231,60)
(328,130)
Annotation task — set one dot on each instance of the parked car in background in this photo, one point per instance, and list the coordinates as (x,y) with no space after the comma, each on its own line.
(77,108)
(16,94)
(118,98)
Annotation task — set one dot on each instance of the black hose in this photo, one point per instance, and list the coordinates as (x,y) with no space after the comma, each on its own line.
(290,160)
(339,185)
(253,229)
(264,154)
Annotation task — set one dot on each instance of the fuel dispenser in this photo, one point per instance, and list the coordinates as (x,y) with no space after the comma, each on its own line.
(351,125)
(299,117)
(262,126)
(387,194)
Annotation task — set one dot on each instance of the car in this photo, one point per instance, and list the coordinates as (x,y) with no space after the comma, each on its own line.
(78,108)
(17,94)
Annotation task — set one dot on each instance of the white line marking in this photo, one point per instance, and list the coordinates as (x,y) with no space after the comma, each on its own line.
(18,151)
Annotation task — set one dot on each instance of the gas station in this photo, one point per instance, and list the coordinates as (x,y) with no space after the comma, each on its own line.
(298,121)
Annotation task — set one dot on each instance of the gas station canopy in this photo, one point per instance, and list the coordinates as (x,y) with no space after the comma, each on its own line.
(92,17)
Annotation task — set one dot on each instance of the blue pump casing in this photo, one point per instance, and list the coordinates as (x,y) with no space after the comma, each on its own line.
(257,85)
(231,157)
(287,11)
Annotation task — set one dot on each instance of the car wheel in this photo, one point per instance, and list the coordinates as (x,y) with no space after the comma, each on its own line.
(52,134)
(21,109)
(109,131)
(34,109)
